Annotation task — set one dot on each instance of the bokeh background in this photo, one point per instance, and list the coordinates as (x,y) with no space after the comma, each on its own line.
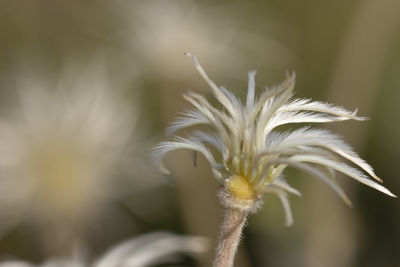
(343,52)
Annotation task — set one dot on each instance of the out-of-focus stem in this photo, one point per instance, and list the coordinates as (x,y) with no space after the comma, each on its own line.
(231,232)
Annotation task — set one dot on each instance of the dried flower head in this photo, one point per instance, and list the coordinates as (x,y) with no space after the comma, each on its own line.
(248,155)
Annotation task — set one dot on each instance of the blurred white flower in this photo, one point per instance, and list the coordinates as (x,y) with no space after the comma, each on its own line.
(147,250)
(65,150)
(247,154)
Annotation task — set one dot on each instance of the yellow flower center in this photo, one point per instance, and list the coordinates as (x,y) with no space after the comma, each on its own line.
(240,188)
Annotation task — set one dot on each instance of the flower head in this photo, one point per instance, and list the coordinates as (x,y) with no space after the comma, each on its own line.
(146,250)
(248,155)
(62,150)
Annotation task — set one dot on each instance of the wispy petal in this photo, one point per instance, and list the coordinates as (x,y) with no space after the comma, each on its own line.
(183,143)
(298,117)
(317,106)
(323,138)
(250,91)
(222,98)
(280,182)
(210,138)
(188,118)
(316,173)
(213,116)
(151,249)
(237,105)
(346,169)
(281,194)
(288,152)
(286,206)
(269,109)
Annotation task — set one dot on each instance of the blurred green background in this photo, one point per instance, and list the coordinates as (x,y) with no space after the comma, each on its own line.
(343,52)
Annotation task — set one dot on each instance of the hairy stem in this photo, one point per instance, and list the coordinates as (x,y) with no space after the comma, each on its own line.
(231,231)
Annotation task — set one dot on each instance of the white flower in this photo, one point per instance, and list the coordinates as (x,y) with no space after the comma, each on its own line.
(248,155)
(146,250)
(62,149)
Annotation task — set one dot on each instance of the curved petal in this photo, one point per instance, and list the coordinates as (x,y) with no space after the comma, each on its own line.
(281,183)
(218,93)
(281,194)
(183,143)
(314,172)
(317,106)
(250,91)
(150,249)
(323,138)
(298,117)
(189,118)
(346,169)
(270,108)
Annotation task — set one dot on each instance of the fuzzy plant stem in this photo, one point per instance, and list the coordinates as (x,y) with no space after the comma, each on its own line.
(231,232)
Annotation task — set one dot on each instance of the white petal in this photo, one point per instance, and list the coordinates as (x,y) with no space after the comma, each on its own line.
(189,118)
(346,169)
(214,116)
(181,143)
(280,182)
(268,95)
(237,105)
(265,97)
(219,95)
(286,206)
(316,106)
(150,249)
(289,151)
(232,141)
(269,109)
(210,138)
(250,91)
(285,203)
(314,172)
(299,117)
(325,139)
(205,110)
(201,103)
